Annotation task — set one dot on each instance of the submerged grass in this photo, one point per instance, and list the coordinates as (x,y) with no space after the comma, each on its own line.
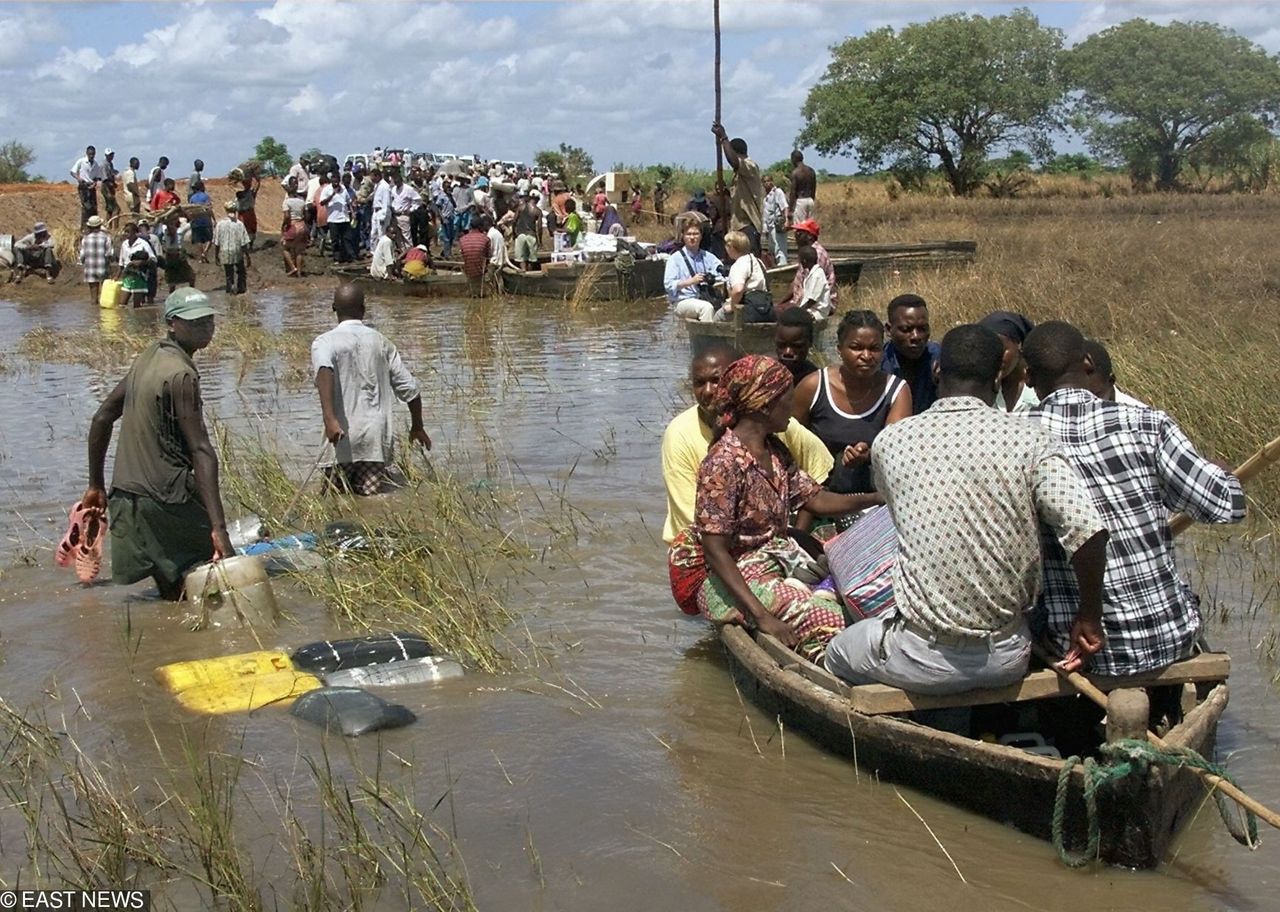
(354,840)
(437,556)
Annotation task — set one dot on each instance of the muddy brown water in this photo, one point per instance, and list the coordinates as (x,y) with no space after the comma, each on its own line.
(644,791)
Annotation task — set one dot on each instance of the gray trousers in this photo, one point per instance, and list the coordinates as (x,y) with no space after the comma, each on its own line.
(882,650)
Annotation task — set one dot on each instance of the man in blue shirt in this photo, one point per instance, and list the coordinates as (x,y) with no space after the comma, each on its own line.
(909,354)
(689,274)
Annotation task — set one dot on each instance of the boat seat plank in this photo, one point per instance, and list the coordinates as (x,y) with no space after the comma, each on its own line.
(877,699)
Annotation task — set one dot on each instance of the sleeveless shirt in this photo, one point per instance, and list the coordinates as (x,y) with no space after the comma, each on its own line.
(839,429)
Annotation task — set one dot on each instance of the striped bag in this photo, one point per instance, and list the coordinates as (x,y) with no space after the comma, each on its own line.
(862,560)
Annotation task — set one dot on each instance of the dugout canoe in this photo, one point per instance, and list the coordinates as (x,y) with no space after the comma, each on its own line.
(600,281)
(748,338)
(1139,817)
(434,285)
(928,251)
(779,278)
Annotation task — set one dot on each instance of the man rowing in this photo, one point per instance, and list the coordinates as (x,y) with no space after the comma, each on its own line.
(1138,465)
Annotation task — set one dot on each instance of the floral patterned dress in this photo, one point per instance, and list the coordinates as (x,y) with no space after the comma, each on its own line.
(738,499)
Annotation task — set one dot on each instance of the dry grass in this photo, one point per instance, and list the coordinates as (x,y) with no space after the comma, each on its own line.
(439,560)
(1183,289)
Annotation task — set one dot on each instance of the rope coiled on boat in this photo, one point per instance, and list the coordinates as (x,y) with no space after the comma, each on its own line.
(1131,757)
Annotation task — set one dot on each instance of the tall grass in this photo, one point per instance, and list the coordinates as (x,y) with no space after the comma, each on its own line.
(353,840)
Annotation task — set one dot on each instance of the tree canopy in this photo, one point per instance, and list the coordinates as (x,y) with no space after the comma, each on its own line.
(270,150)
(570,162)
(1148,94)
(950,89)
(14,158)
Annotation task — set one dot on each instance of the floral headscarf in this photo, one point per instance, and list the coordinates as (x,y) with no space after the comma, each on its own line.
(749,385)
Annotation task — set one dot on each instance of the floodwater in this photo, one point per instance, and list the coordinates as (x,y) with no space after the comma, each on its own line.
(644,783)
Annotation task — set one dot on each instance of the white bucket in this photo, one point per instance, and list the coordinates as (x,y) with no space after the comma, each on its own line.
(232,591)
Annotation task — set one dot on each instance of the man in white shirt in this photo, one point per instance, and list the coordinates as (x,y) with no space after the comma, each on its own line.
(381,206)
(498,257)
(815,293)
(155,183)
(776,219)
(87,174)
(337,204)
(359,375)
(405,200)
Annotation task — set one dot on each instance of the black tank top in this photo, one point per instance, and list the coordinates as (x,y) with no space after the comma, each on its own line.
(839,429)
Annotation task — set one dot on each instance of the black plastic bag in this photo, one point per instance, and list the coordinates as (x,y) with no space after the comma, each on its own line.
(350,710)
(319,658)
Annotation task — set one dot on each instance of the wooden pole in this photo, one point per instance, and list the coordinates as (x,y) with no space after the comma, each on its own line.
(719,149)
(1084,686)
(1268,454)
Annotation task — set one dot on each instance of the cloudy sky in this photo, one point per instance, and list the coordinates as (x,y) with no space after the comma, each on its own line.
(629,80)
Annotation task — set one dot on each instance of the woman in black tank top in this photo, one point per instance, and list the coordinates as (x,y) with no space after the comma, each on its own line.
(847,406)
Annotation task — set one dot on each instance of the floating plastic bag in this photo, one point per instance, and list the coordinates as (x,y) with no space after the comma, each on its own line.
(350,710)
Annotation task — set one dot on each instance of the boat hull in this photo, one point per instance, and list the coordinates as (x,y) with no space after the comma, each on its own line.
(587,281)
(1139,818)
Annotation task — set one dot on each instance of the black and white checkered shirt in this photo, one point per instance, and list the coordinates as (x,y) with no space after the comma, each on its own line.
(1139,467)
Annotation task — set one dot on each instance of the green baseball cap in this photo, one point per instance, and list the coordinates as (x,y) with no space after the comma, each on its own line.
(188,304)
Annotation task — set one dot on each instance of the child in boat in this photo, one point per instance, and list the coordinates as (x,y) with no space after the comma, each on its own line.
(815,293)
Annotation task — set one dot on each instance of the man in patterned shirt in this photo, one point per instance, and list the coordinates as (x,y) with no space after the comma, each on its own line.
(967,487)
(1138,466)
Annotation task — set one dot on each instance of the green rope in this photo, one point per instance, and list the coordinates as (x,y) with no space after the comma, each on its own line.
(1125,758)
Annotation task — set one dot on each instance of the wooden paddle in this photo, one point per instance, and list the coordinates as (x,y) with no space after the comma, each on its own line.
(1180,522)
(1269,453)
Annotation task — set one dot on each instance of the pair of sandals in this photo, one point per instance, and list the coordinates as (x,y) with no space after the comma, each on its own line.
(81,546)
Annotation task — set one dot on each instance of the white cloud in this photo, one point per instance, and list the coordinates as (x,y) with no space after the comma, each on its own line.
(629,80)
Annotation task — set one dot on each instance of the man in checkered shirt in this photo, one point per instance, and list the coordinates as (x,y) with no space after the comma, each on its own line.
(96,256)
(1139,467)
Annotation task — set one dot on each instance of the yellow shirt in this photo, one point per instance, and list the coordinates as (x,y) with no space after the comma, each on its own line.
(684,445)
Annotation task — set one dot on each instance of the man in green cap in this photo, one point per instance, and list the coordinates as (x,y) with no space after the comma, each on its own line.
(165,508)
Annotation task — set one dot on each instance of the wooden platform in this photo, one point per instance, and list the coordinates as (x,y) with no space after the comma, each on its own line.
(878,699)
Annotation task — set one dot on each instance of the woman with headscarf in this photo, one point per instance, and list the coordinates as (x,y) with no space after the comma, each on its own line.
(1014,394)
(737,563)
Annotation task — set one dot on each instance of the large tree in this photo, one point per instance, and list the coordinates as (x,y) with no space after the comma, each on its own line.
(269,149)
(14,158)
(950,89)
(1149,94)
(570,162)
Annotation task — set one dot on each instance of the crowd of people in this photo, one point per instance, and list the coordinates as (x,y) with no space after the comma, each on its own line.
(1016,490)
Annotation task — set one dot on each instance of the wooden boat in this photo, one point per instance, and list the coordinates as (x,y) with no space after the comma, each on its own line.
(779,278)
(747,338)
(587,281)
(436,284)
(928,251)
(1139,815)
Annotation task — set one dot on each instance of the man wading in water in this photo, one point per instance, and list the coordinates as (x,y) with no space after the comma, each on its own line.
(165,509)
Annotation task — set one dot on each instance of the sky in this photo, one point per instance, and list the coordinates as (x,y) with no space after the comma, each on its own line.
(628,80)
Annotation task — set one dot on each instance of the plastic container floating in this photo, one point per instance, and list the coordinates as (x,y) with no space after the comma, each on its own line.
(350,711)
(334,655)
(426,670)
(234,590)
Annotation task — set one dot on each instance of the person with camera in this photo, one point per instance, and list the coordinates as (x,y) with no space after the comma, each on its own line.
(690,278)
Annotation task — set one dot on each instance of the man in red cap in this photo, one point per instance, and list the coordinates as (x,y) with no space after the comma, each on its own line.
(807,233)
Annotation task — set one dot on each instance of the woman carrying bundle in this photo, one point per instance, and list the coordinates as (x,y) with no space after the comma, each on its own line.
(737,563)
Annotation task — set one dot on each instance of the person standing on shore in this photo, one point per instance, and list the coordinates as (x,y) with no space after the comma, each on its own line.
(165,507)
(96,254)
(246,203)
(155,183)
(231,244)
(197,177)
(776,219)
(359,375)
(87,174)
(804,186)
(109,179)
(132,195)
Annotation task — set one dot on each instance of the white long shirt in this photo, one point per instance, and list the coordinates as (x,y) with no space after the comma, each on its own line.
(87,171)
(369,377)
(382,195)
